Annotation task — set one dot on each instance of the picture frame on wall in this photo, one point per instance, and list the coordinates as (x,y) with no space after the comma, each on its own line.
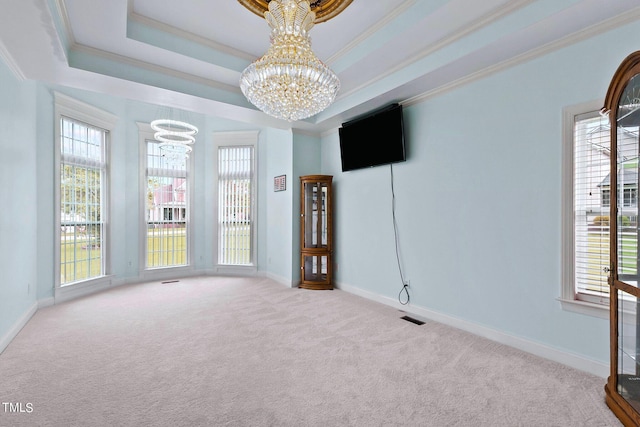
(280,183)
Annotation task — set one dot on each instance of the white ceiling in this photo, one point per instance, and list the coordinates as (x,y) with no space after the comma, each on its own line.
(190,53)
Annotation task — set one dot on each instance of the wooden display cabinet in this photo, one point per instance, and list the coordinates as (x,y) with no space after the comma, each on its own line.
(622,104)
(316,232)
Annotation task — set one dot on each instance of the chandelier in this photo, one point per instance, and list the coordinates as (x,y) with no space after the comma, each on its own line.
(289,82)
(175,137)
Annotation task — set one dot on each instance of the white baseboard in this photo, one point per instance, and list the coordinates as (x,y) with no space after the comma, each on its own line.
(282,280)
(46,302)
(573,360)
(15,329)
(72,292)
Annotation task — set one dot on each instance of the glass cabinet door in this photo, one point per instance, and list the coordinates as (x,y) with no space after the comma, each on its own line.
(627,119)
(628,375)
(315,216)
(622,103)
(315,232)
(627,124)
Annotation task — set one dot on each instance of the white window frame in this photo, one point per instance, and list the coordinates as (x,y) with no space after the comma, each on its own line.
(68,107)
(568,295)
(231,139)
(145,133)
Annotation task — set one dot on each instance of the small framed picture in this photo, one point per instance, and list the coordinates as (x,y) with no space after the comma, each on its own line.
(280,183)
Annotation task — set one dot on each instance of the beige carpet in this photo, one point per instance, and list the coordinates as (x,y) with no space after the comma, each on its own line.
(250,352)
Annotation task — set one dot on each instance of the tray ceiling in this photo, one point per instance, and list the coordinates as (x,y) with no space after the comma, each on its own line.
(189,54)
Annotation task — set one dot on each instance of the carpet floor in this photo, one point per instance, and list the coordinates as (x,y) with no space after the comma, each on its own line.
(220,351)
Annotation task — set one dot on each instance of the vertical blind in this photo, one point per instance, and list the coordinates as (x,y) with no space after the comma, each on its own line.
(235,185)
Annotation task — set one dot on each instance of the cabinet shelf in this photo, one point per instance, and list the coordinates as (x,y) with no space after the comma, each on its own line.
(316,232)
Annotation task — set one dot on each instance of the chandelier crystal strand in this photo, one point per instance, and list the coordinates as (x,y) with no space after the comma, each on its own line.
(289,82)
(175,152)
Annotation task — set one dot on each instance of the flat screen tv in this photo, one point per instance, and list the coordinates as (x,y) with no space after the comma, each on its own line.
(373,140)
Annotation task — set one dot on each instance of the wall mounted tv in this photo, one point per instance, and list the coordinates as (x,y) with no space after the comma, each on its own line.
(373,140)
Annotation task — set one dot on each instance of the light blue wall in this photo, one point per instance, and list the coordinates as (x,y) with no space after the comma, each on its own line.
(479,200)
(18,192)
(279,204)
(124,209)
(307,158)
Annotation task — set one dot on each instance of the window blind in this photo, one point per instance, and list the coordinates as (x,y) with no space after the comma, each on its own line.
(591,206)
(235,181)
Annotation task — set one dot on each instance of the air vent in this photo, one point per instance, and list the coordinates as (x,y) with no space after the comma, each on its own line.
(412,320)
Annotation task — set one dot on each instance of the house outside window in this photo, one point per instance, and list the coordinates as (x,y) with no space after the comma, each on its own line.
(166,196)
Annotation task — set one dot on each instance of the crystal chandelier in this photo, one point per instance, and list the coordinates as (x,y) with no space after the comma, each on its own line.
(289,82)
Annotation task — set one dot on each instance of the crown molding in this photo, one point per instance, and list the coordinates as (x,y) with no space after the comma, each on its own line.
(487,19)
(71,107)
(584,34)
(144,127)
(121,59)
(180,33)
(11,63)
(69,39)
(370,31)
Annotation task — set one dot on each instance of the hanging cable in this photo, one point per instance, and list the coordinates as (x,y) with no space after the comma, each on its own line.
(405,285)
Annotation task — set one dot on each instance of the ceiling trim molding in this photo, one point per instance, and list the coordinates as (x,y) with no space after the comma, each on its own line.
(479,23)
(144,127)
(584,34)
(68,38)
(114,57)
(370,32)
(66,105)
(178,32)
(11,63)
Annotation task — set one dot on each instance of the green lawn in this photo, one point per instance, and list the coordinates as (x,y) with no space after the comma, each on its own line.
(166,248)
(237,245)
(87,257)
(598,258)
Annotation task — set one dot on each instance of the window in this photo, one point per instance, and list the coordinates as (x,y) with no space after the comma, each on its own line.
(629,196)
(82,134)
(587,198)
(236,198)
(166,200)
(591,200)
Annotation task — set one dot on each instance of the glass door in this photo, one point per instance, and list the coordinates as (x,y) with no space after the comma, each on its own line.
(627,124)
(623,106)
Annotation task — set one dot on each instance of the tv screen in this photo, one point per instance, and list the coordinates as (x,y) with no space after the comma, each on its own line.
(376,139)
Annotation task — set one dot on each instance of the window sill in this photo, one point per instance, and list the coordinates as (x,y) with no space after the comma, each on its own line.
(78,289)
(235,269)
(587,308)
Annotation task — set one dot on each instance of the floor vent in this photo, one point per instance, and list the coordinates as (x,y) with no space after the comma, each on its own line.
(412,320)
(170,281)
